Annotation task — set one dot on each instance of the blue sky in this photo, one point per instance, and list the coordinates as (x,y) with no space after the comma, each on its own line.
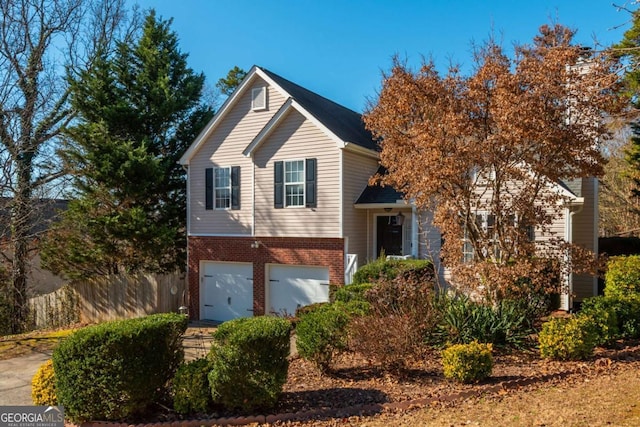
(338,48)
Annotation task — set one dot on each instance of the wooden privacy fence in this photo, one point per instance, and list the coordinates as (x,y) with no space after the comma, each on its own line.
(55,309)
(114,297)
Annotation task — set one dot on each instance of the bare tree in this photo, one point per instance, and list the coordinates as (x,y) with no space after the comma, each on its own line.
(42,43)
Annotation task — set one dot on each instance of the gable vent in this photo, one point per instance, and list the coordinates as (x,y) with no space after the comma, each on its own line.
(259,98)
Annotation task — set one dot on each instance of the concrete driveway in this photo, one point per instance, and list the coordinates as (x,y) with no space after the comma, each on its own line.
(15,378)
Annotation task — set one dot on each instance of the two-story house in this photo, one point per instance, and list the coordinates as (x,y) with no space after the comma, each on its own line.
(279,205)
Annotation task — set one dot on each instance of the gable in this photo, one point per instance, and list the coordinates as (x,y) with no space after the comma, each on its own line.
(341,124)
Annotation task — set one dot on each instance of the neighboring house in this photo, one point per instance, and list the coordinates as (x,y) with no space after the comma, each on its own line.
(279,205)
(46,211)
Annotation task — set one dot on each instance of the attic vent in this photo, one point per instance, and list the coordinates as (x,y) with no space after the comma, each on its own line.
(259,98)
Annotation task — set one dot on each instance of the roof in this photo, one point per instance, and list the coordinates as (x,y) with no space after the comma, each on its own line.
(377,194)
(343,125)
(343,122)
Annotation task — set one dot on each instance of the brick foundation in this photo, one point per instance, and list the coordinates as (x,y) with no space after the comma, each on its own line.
(272,250)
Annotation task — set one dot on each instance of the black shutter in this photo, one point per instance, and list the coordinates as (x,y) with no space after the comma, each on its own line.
(278,180)
(208,188)
(310,183)
(235,187)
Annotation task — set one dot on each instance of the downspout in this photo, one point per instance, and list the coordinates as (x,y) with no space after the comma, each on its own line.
(415,248)
(253,197)
(186,297)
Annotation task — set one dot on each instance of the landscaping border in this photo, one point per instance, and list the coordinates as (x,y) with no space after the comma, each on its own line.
(357,410)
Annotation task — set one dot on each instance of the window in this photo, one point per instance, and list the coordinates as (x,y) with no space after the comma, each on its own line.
(259,98)
(222,188)
(486,222)
(295,183)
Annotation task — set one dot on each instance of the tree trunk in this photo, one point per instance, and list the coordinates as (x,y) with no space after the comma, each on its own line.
(20,229)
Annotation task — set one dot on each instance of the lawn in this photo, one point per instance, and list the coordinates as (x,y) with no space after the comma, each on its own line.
(33,342)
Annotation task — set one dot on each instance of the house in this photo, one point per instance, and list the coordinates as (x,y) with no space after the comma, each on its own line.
(280,206)
(45,213)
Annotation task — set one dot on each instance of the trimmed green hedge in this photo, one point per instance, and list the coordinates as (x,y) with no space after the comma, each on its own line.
(616,317)
(623,276)
(322,333)
(381,268)
(191,392)
(250,362)
(114,370)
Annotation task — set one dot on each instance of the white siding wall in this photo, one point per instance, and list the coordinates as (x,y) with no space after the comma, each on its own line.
(224,148)
(357,170)
(295,139)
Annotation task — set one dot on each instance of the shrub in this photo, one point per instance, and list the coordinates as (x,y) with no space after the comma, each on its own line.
(463,321)
(322,333)
(117,369)
(392,332)
(383,269)
(626,312)
(602,312)
(250,362)
(567,339)
(623,276)
(350,293)
(191,392)
(467,362)
(43,388)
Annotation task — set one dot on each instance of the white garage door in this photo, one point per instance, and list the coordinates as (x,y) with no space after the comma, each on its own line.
(294,286)
(227,291)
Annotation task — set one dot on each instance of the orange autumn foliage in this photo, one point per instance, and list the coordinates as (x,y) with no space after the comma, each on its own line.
(485,152)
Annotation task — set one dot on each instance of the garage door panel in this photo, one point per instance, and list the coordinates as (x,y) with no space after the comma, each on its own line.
(292,287)
(228,291)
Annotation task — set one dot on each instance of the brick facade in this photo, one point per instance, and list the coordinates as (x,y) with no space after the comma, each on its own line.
(325,252)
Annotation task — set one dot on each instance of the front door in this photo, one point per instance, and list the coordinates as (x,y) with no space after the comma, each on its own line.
(389,236)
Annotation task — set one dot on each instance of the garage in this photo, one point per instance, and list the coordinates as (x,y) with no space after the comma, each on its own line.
(226,290)
(294,286)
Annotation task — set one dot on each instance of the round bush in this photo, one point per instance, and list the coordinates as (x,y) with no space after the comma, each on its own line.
(250,362)
(322,333)
(568,339)
(116,370)
(602,311)
(467,362)
(623,276)
(43,388)
(191,392)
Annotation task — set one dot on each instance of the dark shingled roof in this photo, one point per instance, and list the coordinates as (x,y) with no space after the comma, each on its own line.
(379,194)
(345,123)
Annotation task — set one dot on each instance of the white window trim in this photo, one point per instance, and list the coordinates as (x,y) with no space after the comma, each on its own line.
(303,183)
(259,92)
(485,227)
(215,188)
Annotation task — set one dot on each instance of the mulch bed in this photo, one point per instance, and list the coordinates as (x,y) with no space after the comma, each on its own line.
(356,382)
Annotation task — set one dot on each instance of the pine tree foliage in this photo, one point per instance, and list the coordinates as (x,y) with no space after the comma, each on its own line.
(139,108)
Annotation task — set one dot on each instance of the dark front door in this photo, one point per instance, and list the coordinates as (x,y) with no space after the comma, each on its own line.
(389,236)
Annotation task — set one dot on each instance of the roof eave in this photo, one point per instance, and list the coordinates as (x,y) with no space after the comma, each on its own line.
(355,148)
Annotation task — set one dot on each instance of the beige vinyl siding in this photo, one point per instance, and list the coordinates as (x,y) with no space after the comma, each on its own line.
(224,148)
(429,241)
(584,234)
(356,171)
(296,138)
